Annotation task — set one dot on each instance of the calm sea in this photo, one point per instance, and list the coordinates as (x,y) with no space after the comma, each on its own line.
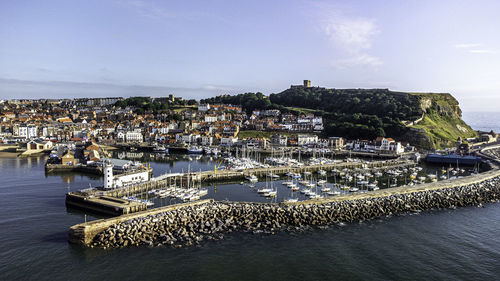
(484,121)
(461,244)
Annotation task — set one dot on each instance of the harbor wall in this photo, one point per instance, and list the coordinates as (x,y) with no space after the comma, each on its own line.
(84,233)
(191,223)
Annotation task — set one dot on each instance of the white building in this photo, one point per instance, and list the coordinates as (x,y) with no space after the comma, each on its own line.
(306,139)
(27,132)
(210,118)
(207,140)
(134,136)
(116,181)
(229,141)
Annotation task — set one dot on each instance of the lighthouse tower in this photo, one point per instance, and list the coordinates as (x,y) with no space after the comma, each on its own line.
(108,175)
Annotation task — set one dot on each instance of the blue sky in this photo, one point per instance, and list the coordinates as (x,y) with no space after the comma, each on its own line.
(198,49)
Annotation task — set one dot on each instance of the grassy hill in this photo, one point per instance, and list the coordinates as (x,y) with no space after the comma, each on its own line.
(428,120)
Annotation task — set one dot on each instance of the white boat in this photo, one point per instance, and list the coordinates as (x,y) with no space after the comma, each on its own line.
(271,193)
(160,149)
(291,200)
(252,178)
(194,150)
(264,190)
(321,182)
(333,193)
(322,172)
(148,203)
(372,186)
(354,189)
(202,192)
(273,176)
(325,189)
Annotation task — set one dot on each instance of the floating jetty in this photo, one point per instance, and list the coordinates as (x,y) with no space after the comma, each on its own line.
(54,168)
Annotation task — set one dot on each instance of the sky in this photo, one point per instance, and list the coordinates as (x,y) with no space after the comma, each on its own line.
(199,49)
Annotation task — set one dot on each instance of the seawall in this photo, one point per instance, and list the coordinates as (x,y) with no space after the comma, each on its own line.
(191,223)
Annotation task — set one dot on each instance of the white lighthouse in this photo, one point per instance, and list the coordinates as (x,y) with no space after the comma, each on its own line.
(108,175)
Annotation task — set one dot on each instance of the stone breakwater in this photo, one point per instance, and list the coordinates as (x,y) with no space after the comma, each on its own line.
(193,224)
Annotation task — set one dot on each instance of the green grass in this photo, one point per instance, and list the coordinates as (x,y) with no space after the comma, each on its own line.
(443,130)
(301,110)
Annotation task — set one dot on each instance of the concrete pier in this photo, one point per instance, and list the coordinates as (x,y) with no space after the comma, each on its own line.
(84,233)
(103,204)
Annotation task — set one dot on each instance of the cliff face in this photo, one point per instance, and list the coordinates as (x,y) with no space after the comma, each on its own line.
(441,124)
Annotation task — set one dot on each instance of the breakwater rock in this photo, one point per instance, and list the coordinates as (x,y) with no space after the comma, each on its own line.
(193,224)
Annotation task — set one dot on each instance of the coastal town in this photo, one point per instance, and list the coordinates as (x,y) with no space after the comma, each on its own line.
(35,126)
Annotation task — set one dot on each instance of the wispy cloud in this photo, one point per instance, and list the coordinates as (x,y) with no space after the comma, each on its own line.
(476,48)
(354,36)
(467,45)
(148,9)
(483,51)
(360,60)
(161,12)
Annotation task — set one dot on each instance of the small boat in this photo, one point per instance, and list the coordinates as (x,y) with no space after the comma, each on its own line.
(333,193)
(160,149)
(373,187)
(252,178)
(264,190)
(291,200)
(354,189)
(325,189)
(148,203)
(272,193)
(274,176)
(195,150)
(322,172)
(321,182)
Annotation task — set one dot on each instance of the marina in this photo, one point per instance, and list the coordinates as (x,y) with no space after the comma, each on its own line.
(274,180)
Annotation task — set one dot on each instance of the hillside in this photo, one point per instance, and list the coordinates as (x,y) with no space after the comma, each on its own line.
(427,120)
